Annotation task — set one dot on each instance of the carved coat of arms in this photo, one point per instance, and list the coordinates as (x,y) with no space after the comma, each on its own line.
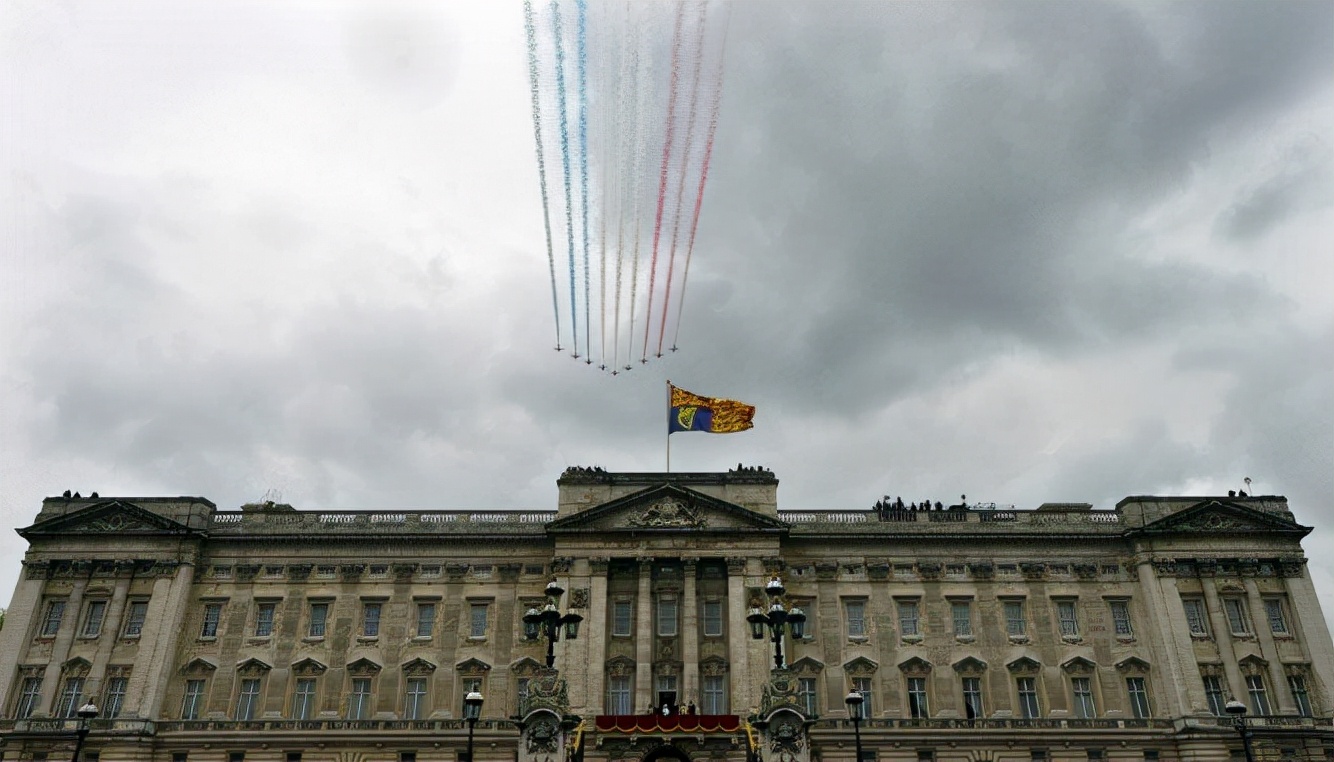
(668,513)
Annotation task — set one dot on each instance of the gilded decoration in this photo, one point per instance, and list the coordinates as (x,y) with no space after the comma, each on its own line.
(779,693)
(546,691)
(543,735)
(668,513)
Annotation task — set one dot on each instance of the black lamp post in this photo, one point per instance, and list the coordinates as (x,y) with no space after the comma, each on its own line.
(778,620)
(547,622)
(855,701)
(87,713)
(1238,712)
(472,709)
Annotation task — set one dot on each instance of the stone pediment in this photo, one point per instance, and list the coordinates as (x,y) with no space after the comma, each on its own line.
(108,517)
(1222,517)
(667,508)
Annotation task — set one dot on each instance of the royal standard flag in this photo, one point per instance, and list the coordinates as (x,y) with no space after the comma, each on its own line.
(691,412)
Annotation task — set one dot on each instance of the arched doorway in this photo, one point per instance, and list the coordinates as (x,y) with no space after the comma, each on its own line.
(666,753)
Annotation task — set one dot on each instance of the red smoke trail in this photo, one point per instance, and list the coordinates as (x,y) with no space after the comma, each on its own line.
(685,170)
(662,174)
(704,172)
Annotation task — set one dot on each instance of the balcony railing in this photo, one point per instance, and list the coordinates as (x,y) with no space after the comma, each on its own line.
(1007,723)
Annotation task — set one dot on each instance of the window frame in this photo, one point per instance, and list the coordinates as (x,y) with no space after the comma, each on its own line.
(359,702)
(1015,626)
(1199,617)
(1215,696)
(1238,616)
(266,613)
(1083,701)
(1137,693)
(423,618)
(94,616)
(1067,626)
(134,624)
(962,626)
(192,698)
(910,613)
(29,697)
(808,695)
(55,616)
(620,695)
(416,703)
(713,689)
(1258,693)
(1275,613)
(1301,695)
(303,702)
(478,627)
(616,608)
(917,692)
(321,622)
(865,685)
(248,700)
(71,690)
(212,620)
(113,696)
(971,686)
(667,612)
(857,632)
(1027,686)
(372,611)
(1122,626)
(716,619)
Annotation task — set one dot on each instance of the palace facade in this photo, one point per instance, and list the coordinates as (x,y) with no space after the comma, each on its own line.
(1063,633)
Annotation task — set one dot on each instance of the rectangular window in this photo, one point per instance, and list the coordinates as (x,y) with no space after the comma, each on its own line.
(92,620)
(715,698)
(1255,686)
(319,616)
(962,613)
(1196,619)
(1121,618)
(477,620)
(470,685)
(29,696)
(918,708)
(1278,624)
(807,696)
(863,686)
(1300,695)
(619,692)
(521,692)
(135,615)
(1139,697)
(425,619)
(414,705)
(247,701)
(212,615)
(359,700)
(194,700)
(1068,618)
(1213,692)
(303,698)
(667,616)
(972,698)
(1082,687)
(856,618)
(1238,619)
(113,700)
(713,618)
(55,612)
(1015,624)
(909,626)
(264,620)
(1028,698)
(69,697)
(622,618)
(370,620)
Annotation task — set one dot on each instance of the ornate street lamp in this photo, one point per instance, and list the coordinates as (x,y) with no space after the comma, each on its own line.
(1238,712)
(855,701)
(87,713)
(548,621)
(472,709)
(778,619)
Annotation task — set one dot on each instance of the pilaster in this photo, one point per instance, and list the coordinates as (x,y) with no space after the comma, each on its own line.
(22,616)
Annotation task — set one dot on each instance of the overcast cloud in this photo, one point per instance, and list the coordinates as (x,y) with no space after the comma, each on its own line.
(1024,251)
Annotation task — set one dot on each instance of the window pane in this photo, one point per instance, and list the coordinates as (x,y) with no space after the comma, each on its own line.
(1065,612)
(194,698)
(1139,697)
(1014,618)
(415,704)
(917,703)
(370,620)
(248,699)
(667,617)
(856,613)
(114,699)
(477,627)
(618,695)
(713,618)
(963,621)
(32,693)
(715,700)
(1255,686)
(303,699)
(319,614)
(212,614)
(1083,690)
(1121,618)
(92,623)
(359,702)
(134,618)
(69,697)
(425,619)
(1274,612)
(908,624)
(1299,695)
(1237,618)
(264,620)
(972,698)
(863,686)
(806,694)
(1195,617)
(1028,697)
(55,612)
(621,619)
(1213,691)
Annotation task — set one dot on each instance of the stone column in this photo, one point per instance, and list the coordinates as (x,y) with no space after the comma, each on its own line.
(645,633)
(1223,637)
(738,636)
(111,627)
(1309,626)
(690,635)
(599,608)
(163,628)
(22,618)
(1176,678)
(1283,703)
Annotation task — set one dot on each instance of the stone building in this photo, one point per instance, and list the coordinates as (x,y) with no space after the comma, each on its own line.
(1057,634)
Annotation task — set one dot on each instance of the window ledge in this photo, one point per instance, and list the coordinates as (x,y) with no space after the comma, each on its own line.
(207,638)
(1283,636)
(965,638)
(1018,638)
(1201,636)
(912,638)
(131,637)
(259,640)
(477,638)
(1125,638)
(858,639)
(1243,636)
(422,638)
(1072,639)
(368,638)
(313,639)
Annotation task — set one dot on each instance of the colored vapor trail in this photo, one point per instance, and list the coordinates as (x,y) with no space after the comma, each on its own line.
(625,91)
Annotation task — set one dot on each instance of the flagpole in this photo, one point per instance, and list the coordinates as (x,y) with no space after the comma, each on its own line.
(669,426)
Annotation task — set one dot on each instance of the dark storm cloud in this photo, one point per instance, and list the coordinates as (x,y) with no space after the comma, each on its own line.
(1303,178)
(939,189)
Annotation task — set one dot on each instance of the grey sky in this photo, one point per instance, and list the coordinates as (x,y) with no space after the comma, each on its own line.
(1024,251)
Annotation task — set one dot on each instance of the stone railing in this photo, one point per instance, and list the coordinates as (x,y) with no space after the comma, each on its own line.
(262,726)
(997,521)
(1008,723)
(1274,721)
(379,522)
(69,726)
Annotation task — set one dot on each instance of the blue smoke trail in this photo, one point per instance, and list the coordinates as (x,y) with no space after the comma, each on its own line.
(531,32)
(582,7)
(565,163)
